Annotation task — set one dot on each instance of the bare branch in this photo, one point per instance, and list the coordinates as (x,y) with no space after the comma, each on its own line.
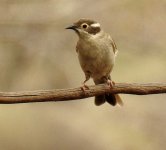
(77,93)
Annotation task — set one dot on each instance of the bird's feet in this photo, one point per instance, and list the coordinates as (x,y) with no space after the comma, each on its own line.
(84,87)
(110,83)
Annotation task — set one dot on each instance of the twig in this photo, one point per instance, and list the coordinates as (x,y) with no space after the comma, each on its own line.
(77,93)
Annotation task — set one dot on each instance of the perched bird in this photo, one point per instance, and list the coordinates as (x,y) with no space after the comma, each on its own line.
(96,52)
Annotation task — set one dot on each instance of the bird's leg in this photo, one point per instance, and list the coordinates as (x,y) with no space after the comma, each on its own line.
(84,86)
(109,82)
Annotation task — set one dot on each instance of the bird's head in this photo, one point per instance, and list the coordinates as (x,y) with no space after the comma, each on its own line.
(85,27)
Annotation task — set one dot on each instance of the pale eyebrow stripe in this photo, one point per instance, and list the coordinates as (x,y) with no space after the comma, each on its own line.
(95,25)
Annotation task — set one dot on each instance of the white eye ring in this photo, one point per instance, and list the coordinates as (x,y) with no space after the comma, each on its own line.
(84,26)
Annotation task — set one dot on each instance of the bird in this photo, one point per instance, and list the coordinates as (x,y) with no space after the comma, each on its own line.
(96,53)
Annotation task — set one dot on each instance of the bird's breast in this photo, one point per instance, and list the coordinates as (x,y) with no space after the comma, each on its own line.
(96,58)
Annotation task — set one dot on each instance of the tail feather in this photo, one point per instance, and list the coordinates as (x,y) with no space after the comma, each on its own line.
(119,100)
(112,99)
(99,100)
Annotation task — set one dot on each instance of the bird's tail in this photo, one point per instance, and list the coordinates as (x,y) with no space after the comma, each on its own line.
(112,99)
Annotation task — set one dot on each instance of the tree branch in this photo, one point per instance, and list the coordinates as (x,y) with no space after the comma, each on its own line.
(77,93)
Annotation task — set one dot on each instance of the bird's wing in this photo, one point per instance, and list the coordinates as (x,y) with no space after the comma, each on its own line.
(113,44)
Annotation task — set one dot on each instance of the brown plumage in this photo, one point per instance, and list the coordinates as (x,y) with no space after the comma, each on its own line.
(96,52)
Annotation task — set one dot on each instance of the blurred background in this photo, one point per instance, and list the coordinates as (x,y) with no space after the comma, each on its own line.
(36,52)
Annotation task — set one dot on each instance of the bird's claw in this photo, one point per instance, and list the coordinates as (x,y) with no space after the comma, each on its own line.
(110,83)
(84,87)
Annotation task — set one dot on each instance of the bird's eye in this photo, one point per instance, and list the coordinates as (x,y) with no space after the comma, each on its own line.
(84,25)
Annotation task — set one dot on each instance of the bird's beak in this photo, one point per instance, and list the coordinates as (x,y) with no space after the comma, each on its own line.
(73,27)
